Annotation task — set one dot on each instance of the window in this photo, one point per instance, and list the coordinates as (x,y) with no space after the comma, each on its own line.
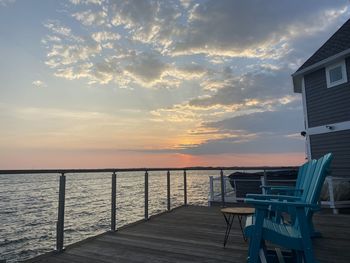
(336,74)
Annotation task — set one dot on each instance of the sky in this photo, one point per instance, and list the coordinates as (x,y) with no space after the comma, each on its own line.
(102,83)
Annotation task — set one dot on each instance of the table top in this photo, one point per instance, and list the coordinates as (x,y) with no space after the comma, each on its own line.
(238,210)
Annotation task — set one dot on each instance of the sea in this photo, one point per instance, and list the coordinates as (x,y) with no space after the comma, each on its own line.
(29,202)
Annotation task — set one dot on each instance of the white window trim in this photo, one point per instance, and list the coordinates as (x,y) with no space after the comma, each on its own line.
(344,74)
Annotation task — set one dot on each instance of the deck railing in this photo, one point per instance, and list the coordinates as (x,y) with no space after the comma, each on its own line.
(114,172)
(228,186)
(223,196)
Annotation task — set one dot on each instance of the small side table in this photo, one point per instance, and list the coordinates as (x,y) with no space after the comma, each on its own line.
(230,213)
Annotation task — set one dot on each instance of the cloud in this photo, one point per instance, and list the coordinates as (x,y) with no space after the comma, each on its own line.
(239,103)
(188,71)
(57,28)
(207,77)
(223,28)
(71,73)
(254,110)
(259,132)
(258,144)
(86,2)
(233,71)
(71,54)
(151,22)
(105,36)
(104,72)
(260,84)
(39,84)
(146,67)
(90,17)
(264,89)
(180,43)
(284,120)
(6,2)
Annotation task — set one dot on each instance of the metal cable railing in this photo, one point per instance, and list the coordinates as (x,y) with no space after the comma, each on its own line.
(62,207)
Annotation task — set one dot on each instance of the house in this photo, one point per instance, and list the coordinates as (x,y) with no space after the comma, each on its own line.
(324,83)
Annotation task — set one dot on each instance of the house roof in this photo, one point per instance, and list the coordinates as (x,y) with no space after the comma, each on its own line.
(335,48)
(337,43)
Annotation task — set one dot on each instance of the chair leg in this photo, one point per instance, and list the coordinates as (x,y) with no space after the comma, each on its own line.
(298,256)
(316,234)
(313,232)
(256,237)
(254,248)
(309,256)
(305,236)
(262,256)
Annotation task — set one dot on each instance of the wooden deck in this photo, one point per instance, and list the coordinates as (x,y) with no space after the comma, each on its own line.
(193,234)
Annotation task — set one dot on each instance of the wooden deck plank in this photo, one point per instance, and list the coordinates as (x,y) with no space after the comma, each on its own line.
(193,234)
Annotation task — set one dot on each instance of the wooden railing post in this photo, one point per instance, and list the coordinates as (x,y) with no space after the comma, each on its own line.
(168,189)
(113,202)
(60,215)
(222,188)
(185,188)
(146,195)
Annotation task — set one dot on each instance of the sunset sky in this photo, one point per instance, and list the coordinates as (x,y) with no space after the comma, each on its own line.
(102,83)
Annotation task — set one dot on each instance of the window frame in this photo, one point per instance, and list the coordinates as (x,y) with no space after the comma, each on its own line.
(344,78)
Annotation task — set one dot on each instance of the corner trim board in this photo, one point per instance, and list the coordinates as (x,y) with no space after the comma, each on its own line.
(306,120)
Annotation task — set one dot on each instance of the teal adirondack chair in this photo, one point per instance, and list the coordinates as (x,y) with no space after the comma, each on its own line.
(297,193)
(302,178)
(297,236)
(303,181)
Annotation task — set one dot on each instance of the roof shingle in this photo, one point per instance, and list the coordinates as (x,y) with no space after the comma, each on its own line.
(337,43)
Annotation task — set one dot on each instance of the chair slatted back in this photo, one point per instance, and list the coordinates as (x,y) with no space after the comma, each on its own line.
(301,173)
(321,171)
(316,175)
(307,177)
(304,176)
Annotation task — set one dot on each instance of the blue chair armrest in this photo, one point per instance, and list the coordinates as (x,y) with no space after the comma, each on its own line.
(285,191)
(273,186)
(276,203)
(282,189)
(273,197)
(289,189)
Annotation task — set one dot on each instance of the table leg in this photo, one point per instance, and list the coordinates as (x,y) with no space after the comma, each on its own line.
(229,221)
(240,225)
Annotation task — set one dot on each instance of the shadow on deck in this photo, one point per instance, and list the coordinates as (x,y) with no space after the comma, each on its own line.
(193,234)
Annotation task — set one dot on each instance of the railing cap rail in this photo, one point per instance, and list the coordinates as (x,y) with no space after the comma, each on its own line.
(116,170)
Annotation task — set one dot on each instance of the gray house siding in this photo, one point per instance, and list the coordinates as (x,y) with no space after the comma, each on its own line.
(337,143)
(326,105)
